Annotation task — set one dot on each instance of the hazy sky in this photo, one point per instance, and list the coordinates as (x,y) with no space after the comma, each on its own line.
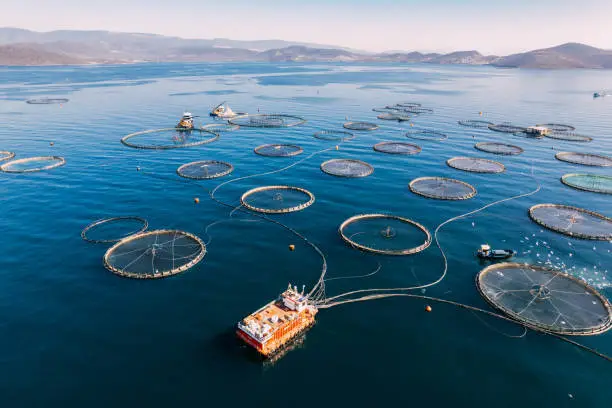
(490,26)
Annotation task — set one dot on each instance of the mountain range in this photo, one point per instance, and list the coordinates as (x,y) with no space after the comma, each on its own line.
(21,47)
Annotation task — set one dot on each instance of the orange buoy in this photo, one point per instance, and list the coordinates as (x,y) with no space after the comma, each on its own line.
(337,147)
(292,247)
(196,200)
(480,113)
(412,124)
(428,308)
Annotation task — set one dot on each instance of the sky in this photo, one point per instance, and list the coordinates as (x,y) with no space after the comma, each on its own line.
(490,26)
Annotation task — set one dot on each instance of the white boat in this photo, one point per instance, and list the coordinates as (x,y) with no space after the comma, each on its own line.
(223,111)
(186,121)
(601,94)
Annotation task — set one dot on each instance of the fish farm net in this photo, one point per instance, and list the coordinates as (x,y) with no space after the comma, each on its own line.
(442,188)
(557,127)
(278,150)
(507,128)
(4,155)
(498,148)
(267,120)
(46,101)
(385,234)
(477,124)
(32,164)
(586,159)
(427,134)
(206,169)
(221,127)
(113,229)
(387,109)
(569,136)
(418,109)
(589,182)
(397,148)
(363,126)
(277,199)
(155,254)
(334,135)
(169,138)
(408,105)
(476,165)
(347,168)
(545,299)
(573,221)
(397,116)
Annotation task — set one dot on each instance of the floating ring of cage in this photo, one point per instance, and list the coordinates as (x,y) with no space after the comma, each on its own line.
(498,148)
(205,169)
(397,148)
(474,123)
(113,229)
(46,101)
(418,109)
(4,155)
(385,234)
(155,254)
(394,116)
(278,150)
(442,188)
(569,136)
(545,299)
(221,127)
(589,182)
(360,126)
(426,134)
(350,168)
(476,165)
(273,120)
(387,109)
(408,105)
(277,199)
(573,221)
(558,127)
(586,159)
(169,138)
(507,128)
(335,135)
(32,164)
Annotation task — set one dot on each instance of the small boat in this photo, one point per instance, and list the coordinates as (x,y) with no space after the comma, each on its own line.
(600,94)
(186,121)
(485,252)
(223,111)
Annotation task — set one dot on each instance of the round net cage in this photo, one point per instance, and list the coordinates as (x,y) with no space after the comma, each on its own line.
(507,128)
(569,136)
(32,164)
(388,109)
(267,120)
(4,155)
(586,159)
(408,105)
(545,299)
(418,109)
(221,127)
(169,138)
(477,124)
(397,116)
(46,101)
(385,234)
(498,148)
(476,165)
(206,169)
(155,254)
(347,168)
(334,135)
(397,148)
(557,127)
(589,182)
(573,221)
(360,126)
(278,150)
(442,188)
(426,134)
(277,199)
(113,229)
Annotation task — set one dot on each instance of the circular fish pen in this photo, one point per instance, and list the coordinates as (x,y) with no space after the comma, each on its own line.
(442,188)
(408,105)
(589,182)
(476,165)
(396,116)
(334,135)
(360,126)
(387,109)
(221,127)
(397,148)
(385,234)
(350,168)
(572,221)
(4,155)
(498,148)
(205,169)
(32,164)
(418,109)
(507,128)
(46,101)
(277,199)
(476,124)
(569,136)
(267,120)
(155,254)
(169,138)
(427,134)
(557,127)
(586,159)
(278,150)
(545,299)
(113,229)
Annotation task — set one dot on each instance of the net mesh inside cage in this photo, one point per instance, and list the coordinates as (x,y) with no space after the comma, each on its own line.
(334,135)
(426,134)
(360,126)
(545,299)
(557,127)
(278,150)
(396,116)
(32,164)
(442,188)
(46,101)
(507,128)
(589,182)
(569,136)
(205,169)
(4,155)
(277,199)
(347,168)
(385,234)
(221,127)
(169,138)
(397,148)
(267,120)
(113,229)
(573,221)
(498,148)
(476,165)
(417,109)
(586,159)
(475,123)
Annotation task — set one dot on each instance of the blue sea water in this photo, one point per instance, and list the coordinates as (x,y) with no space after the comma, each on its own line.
(73,334)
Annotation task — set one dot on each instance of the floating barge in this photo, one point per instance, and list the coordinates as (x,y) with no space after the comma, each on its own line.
(275,326)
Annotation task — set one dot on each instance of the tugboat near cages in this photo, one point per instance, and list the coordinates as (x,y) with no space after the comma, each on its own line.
(485,252)
(223,111)
(186,122)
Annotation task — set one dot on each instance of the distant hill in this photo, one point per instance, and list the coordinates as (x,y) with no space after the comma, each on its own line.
(33,54)
(570,55)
